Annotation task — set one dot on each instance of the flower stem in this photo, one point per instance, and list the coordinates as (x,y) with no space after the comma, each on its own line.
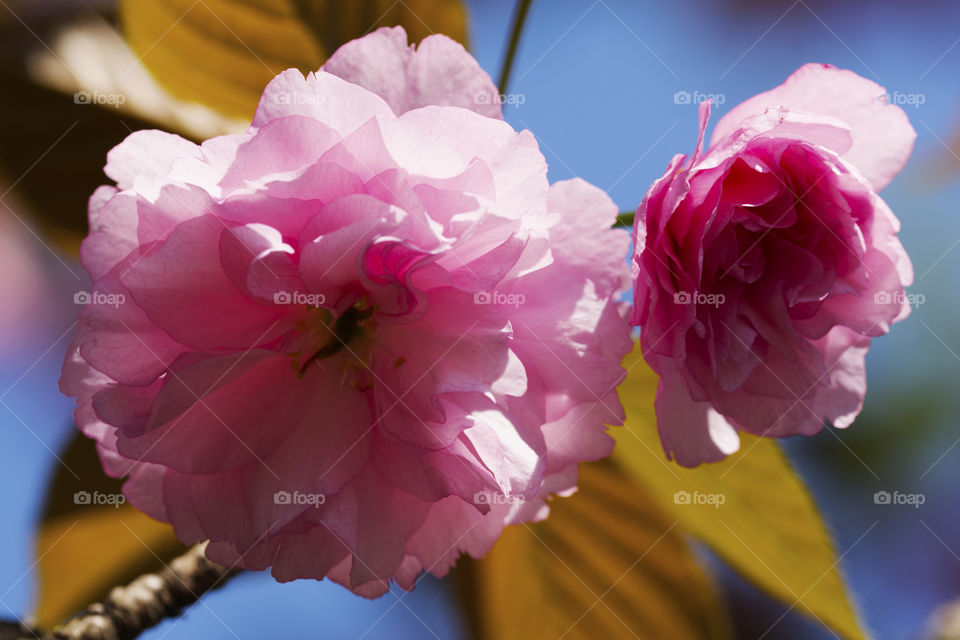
(144,603)
(625,219)
(519,19)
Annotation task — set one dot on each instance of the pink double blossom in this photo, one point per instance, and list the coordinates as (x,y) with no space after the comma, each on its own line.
(766,262)
(358,339)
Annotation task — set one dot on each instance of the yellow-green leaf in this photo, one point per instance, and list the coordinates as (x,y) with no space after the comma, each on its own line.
(607,563)
(752,509)
(85,549)
(223,52)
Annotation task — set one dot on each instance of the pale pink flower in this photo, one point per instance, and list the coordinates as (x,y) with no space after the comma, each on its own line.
(358,339)
(765,264)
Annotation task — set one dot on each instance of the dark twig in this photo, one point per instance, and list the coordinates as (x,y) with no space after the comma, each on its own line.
(144,603)
(519,19)
(15,630)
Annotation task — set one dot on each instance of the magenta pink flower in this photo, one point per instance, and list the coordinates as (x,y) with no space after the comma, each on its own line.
(358,339)
(766,263)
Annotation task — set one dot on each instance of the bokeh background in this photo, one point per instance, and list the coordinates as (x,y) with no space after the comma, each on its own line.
(601,84)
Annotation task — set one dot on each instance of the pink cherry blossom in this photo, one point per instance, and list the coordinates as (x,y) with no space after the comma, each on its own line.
(766,263)
(358,339)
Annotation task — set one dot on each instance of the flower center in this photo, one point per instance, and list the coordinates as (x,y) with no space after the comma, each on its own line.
(347,328)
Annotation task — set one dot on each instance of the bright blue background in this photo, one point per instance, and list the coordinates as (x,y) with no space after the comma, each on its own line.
(597,81)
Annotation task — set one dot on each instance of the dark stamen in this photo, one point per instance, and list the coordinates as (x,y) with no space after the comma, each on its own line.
(344,330)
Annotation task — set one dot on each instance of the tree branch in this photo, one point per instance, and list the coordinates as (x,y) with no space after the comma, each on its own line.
(144,603)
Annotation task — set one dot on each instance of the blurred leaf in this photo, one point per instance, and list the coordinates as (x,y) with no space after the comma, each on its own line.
(90,60)
(607,563)
(84,550)
(223,52)
(768,527)
(54,158)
